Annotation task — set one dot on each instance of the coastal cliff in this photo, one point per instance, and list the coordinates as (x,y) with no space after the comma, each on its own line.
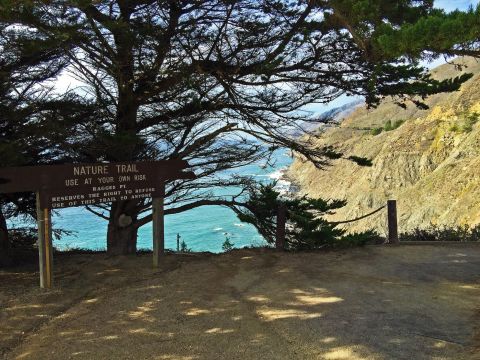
(428,160)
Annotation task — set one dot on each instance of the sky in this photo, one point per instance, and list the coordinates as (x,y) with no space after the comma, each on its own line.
(450,5)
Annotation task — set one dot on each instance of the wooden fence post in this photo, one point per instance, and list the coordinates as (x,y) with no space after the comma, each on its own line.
(392,222)
(45,248)
(281,221)
(158,230)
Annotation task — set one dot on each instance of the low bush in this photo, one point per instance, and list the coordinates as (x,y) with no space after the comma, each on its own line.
(368,237)
(184,248)
(387,126)
(455,128)
(463,233)
(22,245)
(227,244)
(470,121)
(306,226)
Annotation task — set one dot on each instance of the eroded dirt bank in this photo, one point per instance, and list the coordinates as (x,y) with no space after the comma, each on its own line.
(402,302)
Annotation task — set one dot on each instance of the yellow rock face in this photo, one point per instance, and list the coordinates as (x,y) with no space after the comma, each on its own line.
(430,164)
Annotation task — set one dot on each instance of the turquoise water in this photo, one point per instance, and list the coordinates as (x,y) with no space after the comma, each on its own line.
(203,228)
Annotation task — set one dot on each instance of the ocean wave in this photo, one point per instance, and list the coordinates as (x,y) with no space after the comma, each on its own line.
(277,174)
(261,175)
(282,186)
(217,229)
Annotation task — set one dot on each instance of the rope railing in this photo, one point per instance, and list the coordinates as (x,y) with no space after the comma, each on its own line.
(358,218)
(391,218)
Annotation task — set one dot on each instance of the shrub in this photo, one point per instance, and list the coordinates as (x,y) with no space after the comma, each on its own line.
(397,124)
(360,239)
(23,248)
(23,238)
(227,244)
(388,126)
(470,121)
(306,227)
(435,233)
(454,128)
(183,247)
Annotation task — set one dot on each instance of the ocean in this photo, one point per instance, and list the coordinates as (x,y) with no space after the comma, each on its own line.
(203,229)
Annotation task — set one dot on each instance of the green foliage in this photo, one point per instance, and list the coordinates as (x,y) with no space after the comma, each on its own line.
(463,233)
(387,126)
(397,124)
(454,128)
(437,32)
(306,227)
(184,248)
(360,239)
(470,121)
(22,246)
(227,244)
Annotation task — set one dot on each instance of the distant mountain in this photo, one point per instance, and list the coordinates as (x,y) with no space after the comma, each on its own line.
(329,118)
(429,160)
(338,114)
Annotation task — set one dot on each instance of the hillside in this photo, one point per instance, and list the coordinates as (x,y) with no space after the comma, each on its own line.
(430,163)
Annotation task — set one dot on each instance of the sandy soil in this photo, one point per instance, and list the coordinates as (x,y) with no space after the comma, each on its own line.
(407,302)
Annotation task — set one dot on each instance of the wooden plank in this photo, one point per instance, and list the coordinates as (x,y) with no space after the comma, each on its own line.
(392,222)
(45,248)
(158,230)
(81,197)
(83,177)
(281,222)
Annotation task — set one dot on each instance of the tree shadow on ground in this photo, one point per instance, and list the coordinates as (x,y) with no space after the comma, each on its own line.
(256,305)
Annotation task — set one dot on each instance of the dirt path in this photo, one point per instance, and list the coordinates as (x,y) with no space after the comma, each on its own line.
(372,303)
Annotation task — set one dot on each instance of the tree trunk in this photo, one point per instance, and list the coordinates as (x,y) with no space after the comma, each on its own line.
(122,232)
(121,240)
(5,254)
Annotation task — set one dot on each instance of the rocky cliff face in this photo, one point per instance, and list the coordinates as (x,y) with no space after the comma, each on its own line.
(428,160)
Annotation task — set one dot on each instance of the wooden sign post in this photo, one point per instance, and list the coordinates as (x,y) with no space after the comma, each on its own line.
(158,230)
(61,186)
(45,248)
(392,222)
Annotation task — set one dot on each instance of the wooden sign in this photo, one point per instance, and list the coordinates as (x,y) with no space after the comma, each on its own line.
(56,199)
(89,176)
(60,186)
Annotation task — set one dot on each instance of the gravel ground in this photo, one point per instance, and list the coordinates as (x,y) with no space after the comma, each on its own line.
(405,302)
